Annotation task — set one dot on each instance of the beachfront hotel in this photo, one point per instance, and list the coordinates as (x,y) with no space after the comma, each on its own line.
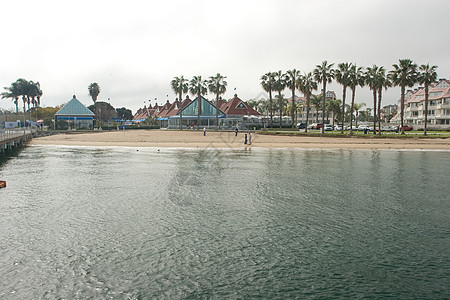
(438,106)
(235,112)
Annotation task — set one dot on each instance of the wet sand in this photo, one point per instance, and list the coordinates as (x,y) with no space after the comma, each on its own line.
(195,139)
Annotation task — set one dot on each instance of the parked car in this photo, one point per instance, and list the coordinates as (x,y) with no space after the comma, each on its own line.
(328,127)
(315,126)
(339,127)
(388,128)
(363,127)
(406,128)
(301,125)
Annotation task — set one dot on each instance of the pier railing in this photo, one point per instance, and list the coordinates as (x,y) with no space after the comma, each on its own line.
(11,134)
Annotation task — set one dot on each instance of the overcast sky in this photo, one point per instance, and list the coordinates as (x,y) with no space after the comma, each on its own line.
(133,49)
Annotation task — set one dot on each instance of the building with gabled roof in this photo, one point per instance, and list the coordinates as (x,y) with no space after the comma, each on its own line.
(76,114)
(238,108)
(438,106)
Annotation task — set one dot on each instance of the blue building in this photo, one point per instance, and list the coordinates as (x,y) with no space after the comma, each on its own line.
(76,115)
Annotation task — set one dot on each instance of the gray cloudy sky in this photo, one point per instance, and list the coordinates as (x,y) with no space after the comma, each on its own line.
(133,49)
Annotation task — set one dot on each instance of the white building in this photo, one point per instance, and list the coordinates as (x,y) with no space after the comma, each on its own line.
(438,106)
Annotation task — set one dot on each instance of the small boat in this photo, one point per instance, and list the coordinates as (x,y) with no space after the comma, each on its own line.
(2,184)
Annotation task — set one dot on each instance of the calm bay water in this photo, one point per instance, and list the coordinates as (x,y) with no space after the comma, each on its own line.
(138,223)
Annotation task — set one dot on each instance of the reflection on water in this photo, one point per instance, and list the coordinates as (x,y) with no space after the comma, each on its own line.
(111,222)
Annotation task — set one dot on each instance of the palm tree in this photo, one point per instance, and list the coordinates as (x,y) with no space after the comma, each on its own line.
(356,108)
(316,100)
(382,82)
(334,106)
(13,93)
(342,74)
(324,73)
(267,83)
(94,90)
(371,79)
(404,74)
(306,84)
(179,86)
(427,76)
(24,88)
(197,87)
(279,86)
(355,78)
(217,85)
(290,80)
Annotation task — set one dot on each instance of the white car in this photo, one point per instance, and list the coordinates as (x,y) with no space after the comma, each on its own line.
(328,127)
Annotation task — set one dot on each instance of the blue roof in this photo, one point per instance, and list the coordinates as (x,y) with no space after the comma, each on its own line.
(74,108)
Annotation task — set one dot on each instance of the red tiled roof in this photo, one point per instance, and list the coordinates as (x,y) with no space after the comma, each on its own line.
(238,107)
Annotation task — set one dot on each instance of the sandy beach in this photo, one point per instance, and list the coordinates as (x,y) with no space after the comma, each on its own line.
(195,139)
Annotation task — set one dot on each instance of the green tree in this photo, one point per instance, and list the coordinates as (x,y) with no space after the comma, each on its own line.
(355,78)
(316,101)
(180,86)
(427,75)
(198,87)
(218,86)
(290,80)
(12,92)
(306,84)
(371,80)
(342,74)
(279,86)
(267,83)
(124,113)
(94,91)
(356,108)
(382,82)
(324,73)
(404,74)
(334,106)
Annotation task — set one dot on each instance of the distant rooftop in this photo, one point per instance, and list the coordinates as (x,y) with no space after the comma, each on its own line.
(74,108)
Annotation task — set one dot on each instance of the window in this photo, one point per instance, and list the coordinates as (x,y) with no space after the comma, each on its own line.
(435,94)
(241,105)
(442,84)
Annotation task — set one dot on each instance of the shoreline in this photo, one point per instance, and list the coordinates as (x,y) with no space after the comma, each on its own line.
(228,140)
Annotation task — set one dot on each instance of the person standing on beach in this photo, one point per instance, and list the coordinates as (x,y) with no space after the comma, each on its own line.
(245,139)
(236,131)
(249,138)
(204,131)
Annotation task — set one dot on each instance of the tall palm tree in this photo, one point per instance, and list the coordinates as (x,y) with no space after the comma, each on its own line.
(382,82)
(290,80)
(94,90)
(217,85)
(355,78)
(180,86)
(267,83)
(13,93)
(316,101)
(427,76)
(404,74)
(334,106)
(325,74)
(306,84)
(197,87)
(24,88)
(371,80)
(279,86)
(342,74)
(356,108)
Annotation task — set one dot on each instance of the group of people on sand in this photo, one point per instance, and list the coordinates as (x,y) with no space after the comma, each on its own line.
(247,139)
